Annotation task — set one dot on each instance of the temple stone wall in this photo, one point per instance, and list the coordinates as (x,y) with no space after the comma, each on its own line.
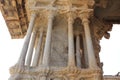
(59,47)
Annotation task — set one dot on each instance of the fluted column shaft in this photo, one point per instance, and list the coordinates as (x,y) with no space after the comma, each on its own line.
(71,55)
(78,56)
(30,52)
(90,50)
(37,53)
(47,48)
(21,61)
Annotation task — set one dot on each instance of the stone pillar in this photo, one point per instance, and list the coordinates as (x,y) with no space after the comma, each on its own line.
(85,52)
(37,53)
(21,61)
(71,54)
(47,48)
(42,50)
(78,56)
(89,45)
(30,52)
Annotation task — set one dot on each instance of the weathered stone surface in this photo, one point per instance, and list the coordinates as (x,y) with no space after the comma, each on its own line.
(59,48)
(15,15)
(111,77)
(60,22)
(108,10)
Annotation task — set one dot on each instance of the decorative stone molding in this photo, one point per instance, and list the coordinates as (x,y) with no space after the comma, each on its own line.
(111,77)
(99,29)
(14,13)
(54,72)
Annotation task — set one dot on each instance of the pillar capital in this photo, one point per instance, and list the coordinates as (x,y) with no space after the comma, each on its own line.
(85,14)
(71,16)
(33,14)
(51,14)
(85,20)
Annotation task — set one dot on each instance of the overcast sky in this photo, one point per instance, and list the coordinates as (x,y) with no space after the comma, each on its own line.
(10,51)
(110,52)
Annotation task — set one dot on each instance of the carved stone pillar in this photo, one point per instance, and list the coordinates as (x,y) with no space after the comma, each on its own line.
(47,48)
(71,54)
(78,56)
(27,40)
(89,45)
(37,53)
(30,52)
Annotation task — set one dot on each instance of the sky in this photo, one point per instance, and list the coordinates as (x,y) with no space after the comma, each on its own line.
(10,51)
(110,52)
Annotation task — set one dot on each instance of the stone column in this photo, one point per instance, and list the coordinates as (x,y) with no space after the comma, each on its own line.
(71,54)
(21,61)
(37,53)
(89,45)
(43,77)
(42,50)
(85,52)
(47,48)
(78,56)
(30,52)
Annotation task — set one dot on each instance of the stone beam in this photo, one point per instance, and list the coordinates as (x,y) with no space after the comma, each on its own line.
(108,11)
